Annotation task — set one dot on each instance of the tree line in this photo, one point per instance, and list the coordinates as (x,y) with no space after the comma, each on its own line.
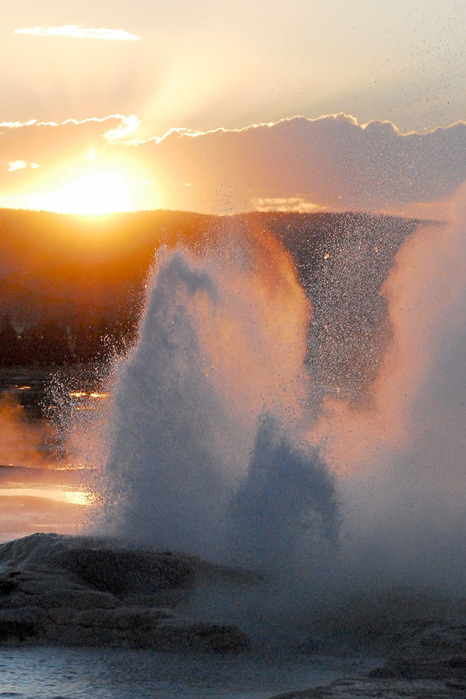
(57,342)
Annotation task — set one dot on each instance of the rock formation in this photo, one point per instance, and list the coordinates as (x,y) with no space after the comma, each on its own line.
(89,591)
(429,663)
(85,591)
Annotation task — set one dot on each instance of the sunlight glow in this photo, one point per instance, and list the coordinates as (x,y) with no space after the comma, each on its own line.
(100,192)
(95,185)
(71,497)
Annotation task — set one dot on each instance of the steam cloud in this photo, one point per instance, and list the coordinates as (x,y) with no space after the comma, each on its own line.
(401,463)
(220,446)
(215,386)
(20,440)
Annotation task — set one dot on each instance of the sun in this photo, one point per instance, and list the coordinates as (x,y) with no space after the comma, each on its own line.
(99,192)
(92,185)
(95,186)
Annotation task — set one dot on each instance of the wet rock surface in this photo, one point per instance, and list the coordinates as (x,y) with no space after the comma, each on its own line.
(382,689)
(428,663)
(436,651)
(84,591)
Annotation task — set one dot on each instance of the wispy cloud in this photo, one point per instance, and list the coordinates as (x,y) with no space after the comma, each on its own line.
(77,31)
(21,165)
(50,143)
(126,127)
(288,204)
(16,165)
(17,124)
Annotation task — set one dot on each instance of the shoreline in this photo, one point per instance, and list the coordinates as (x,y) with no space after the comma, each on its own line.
(91,592)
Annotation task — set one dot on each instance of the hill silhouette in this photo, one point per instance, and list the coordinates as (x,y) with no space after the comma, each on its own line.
(72,286)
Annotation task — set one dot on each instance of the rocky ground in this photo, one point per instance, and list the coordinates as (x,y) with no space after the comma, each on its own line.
(84,591)
(429,663)
(87,591)
(365,688)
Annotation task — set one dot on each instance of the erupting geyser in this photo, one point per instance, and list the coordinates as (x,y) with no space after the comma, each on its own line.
(210,411)
(220,445)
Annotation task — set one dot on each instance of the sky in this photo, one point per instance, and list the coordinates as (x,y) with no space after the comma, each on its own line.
(221,107)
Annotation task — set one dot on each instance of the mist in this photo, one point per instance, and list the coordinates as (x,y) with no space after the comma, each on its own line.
(401,463)
(20,439)
(217,380)
(219,442)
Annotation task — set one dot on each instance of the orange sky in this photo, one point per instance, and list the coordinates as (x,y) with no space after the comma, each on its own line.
(144,105)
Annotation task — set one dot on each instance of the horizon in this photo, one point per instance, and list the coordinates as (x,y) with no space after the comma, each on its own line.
(287,107)
(111,214)
(373,168)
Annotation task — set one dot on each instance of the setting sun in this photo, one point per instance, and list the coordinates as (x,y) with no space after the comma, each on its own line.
(96,193)
(94,185)
(99,191)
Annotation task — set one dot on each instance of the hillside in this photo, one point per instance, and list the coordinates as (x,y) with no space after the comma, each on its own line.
(67,282)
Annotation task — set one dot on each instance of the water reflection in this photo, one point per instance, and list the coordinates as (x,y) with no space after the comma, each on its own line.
(25,512)
(74,497)
(84,400)
(42,488)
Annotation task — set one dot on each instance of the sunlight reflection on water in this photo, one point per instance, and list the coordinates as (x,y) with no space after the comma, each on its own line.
(41,500)
(74,497)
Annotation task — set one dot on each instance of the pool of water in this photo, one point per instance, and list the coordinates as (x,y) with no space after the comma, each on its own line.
(41,500)
(46,499)
(75,673)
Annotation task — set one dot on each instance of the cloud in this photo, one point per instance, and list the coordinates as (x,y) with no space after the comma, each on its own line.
(290,204)
(332,163)
(16,165)
(77,31)
(127,126)
(17,124)
(39,157)
(55,143)
(21,165)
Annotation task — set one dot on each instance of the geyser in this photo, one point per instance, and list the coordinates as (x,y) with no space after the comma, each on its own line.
(220,445)
(400,461)
(207,445)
